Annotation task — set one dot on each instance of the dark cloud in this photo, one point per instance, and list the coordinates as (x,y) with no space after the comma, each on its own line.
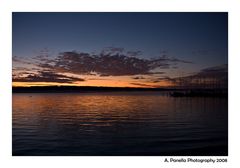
(216,76)
(120,50)
(47,76)
(179,61)
(134,53)
(165,58)
(216,72)
(112,50)
(141,84)
(20,69)
(106,64)
(111,61)
(163,79)
(212,77)
(17,59)
(138,77)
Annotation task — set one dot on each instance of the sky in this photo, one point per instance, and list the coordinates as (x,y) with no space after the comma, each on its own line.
(118,49)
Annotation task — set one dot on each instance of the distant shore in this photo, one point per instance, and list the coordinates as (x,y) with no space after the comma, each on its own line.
(174,92)
(71,89)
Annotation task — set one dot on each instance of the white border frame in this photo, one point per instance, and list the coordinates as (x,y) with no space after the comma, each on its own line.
(9,6)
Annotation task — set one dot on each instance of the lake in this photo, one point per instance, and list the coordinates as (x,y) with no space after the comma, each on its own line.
(118,124)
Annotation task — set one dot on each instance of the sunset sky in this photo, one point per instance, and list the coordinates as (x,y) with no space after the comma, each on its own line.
(117,49)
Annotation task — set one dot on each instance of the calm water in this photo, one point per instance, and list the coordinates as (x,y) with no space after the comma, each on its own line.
(140,123)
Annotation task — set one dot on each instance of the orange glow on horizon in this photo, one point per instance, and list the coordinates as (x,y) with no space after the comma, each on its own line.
(97,83)
(108,81)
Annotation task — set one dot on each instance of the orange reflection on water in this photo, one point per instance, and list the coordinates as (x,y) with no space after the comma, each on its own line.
(93,121)
(105,108)
(94,108)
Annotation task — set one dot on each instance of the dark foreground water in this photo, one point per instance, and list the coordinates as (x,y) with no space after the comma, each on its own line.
(139,123)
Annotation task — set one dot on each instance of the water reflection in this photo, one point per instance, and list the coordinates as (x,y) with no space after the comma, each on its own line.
(140,123)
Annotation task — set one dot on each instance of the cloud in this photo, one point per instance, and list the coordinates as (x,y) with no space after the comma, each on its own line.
(138,77)
(220,71)
(216,72)
(21,69)
(46,76)
(141,84)
(111,61)
(106,64)
(216,76)
(112,50)
(17,59)
(134,53)
(213,77)
(163,79)
(166,59)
